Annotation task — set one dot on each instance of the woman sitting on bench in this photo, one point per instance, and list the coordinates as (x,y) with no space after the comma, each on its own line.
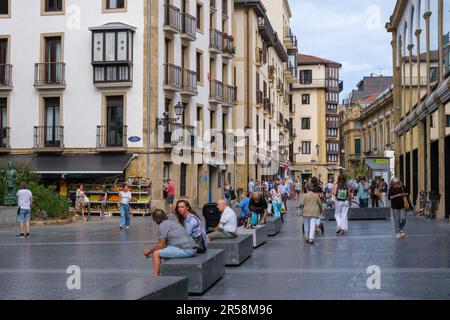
(192,224)
(173,241)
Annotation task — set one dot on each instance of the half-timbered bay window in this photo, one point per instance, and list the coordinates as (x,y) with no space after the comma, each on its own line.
(112,54)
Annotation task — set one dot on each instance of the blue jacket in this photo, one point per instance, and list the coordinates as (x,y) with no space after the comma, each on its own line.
(243,205)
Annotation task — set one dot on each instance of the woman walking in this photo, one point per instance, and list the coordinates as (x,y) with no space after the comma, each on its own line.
(374,193)
(398,195)
(343,198)
(275,196)
(297,188)
(124,202)
(363,193)
(82,201)
(192,223)
(227,192)
(312,209)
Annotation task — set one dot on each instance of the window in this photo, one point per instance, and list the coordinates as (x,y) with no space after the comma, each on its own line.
(332,132)
(52,6)
(332,158)
(199,17)
(52,128)
(306,123)
(447,121)
(199,67)
(4,134)
(112,55)
(358,124)
(332,107)
(305,76)
(5,7)
(114,5)
(115,121)
(306,147)
(333,147)
(5,69)
(166,171)
(305,98)
(357,146)
(183,171)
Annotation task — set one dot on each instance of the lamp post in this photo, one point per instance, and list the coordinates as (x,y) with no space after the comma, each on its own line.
(165,121)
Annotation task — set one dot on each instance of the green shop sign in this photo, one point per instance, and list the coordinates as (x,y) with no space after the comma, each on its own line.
(381,161)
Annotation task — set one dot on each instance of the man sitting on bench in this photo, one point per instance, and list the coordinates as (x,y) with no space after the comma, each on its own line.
(227,227)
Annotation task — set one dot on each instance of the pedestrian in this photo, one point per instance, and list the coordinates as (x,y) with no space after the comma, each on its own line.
(170,186)
(318,190)
(257,187)
(245,210)
(398,196)
(194,226)
(251,186)
(227,192)
(275,197)
(383,192)
(25,201)
(312,209)
(227,228)
(271,184)
(374,193)
(297,188)
(124,203)
(343,198)
(259,206)
(284,190)
(173,241)
(363,193)
(82,201)
(265,188)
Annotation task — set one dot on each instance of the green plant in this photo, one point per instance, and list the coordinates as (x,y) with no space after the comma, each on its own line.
(47,203)
(357,170)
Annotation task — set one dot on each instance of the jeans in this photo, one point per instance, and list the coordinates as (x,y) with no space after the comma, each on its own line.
(221,235)
(374,202)
(23,215)
(341,214)
(125,215)
(399,216)
(384,203)
(310,227)
(364,203)
(175,252)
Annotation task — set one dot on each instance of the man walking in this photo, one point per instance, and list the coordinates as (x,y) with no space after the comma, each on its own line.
(170,186)
(251,186)
(25,200)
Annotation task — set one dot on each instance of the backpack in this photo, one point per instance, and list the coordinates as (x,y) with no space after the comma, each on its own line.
(342,194)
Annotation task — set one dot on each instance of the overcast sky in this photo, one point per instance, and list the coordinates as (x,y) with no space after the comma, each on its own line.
(351,32)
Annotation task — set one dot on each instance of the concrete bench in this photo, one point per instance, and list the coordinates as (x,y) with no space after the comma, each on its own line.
(259,234)
(273,225)
(148,288)
(8,216)
(237,250)
(362,214)
(202,271)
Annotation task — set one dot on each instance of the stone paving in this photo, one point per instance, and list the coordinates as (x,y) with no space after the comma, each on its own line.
(283,268)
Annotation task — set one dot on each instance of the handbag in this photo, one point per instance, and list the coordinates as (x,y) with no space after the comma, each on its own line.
(378,193)
(200,244)
(406,203)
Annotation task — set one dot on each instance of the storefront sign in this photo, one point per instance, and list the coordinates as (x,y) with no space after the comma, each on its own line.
(381,161)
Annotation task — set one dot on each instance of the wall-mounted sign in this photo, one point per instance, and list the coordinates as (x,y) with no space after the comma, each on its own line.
(134,139)
(381,161)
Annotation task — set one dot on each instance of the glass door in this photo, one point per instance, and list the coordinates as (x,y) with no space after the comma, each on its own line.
(3,60)
(52,129)
(115,121)
(3,122)
(53,59)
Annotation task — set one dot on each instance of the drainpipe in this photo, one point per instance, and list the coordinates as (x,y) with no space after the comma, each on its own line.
(149,20)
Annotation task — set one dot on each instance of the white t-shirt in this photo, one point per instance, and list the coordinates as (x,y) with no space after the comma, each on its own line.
(125,197)
(24,198)
(230,220)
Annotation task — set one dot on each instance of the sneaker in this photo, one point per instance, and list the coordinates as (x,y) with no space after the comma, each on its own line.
(127,227)
(338,231)
(311,241)
(121,227)
(27,235)
(20,235)
(398,236)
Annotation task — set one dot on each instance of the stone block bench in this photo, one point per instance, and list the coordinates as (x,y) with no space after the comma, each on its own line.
(237,250)
(362,214)
(202,271)
(273,225)
(148,288)
(259,234)
(8,216)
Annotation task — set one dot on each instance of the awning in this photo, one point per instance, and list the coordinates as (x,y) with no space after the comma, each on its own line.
(80,164)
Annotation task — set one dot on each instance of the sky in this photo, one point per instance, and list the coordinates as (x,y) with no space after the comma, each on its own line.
(351,32)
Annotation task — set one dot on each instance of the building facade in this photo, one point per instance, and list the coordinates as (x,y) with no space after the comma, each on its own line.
(420,42)
(314,105)
(266,56)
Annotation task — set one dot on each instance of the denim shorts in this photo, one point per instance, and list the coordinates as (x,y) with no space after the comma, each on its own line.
(170,199)
(174,252)
(23,215)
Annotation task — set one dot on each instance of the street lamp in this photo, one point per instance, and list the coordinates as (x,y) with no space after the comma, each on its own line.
(179,109)
(317,148)
(165,121)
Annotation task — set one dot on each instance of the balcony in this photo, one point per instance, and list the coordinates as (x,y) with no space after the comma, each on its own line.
(213,6)
(112,139)
(48,139)
(286,96)
(5,146)
(292,108)
(280,122)
(229,95)
(267,106)
(173,78)
(291,73)
(172,19)
(189,83)
(292,133)
(260,57)
(311,84)
(271,73)
(286,125)
(259,99)
(225,14)
(174,134)
(265,29)
(229,50)
(189,27)
(6,77)
(114,74)
(215,92)
(289,40)
(49,75)
(215,41)
(280,86)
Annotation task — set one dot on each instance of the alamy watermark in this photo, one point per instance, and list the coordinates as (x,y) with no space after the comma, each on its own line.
(74,280)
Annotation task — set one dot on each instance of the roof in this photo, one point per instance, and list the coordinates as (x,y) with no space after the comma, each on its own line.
(370,85)
(304,59)
(371,98)
(434,57)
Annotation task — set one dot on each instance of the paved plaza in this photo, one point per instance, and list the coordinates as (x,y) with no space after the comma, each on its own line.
(283,268)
